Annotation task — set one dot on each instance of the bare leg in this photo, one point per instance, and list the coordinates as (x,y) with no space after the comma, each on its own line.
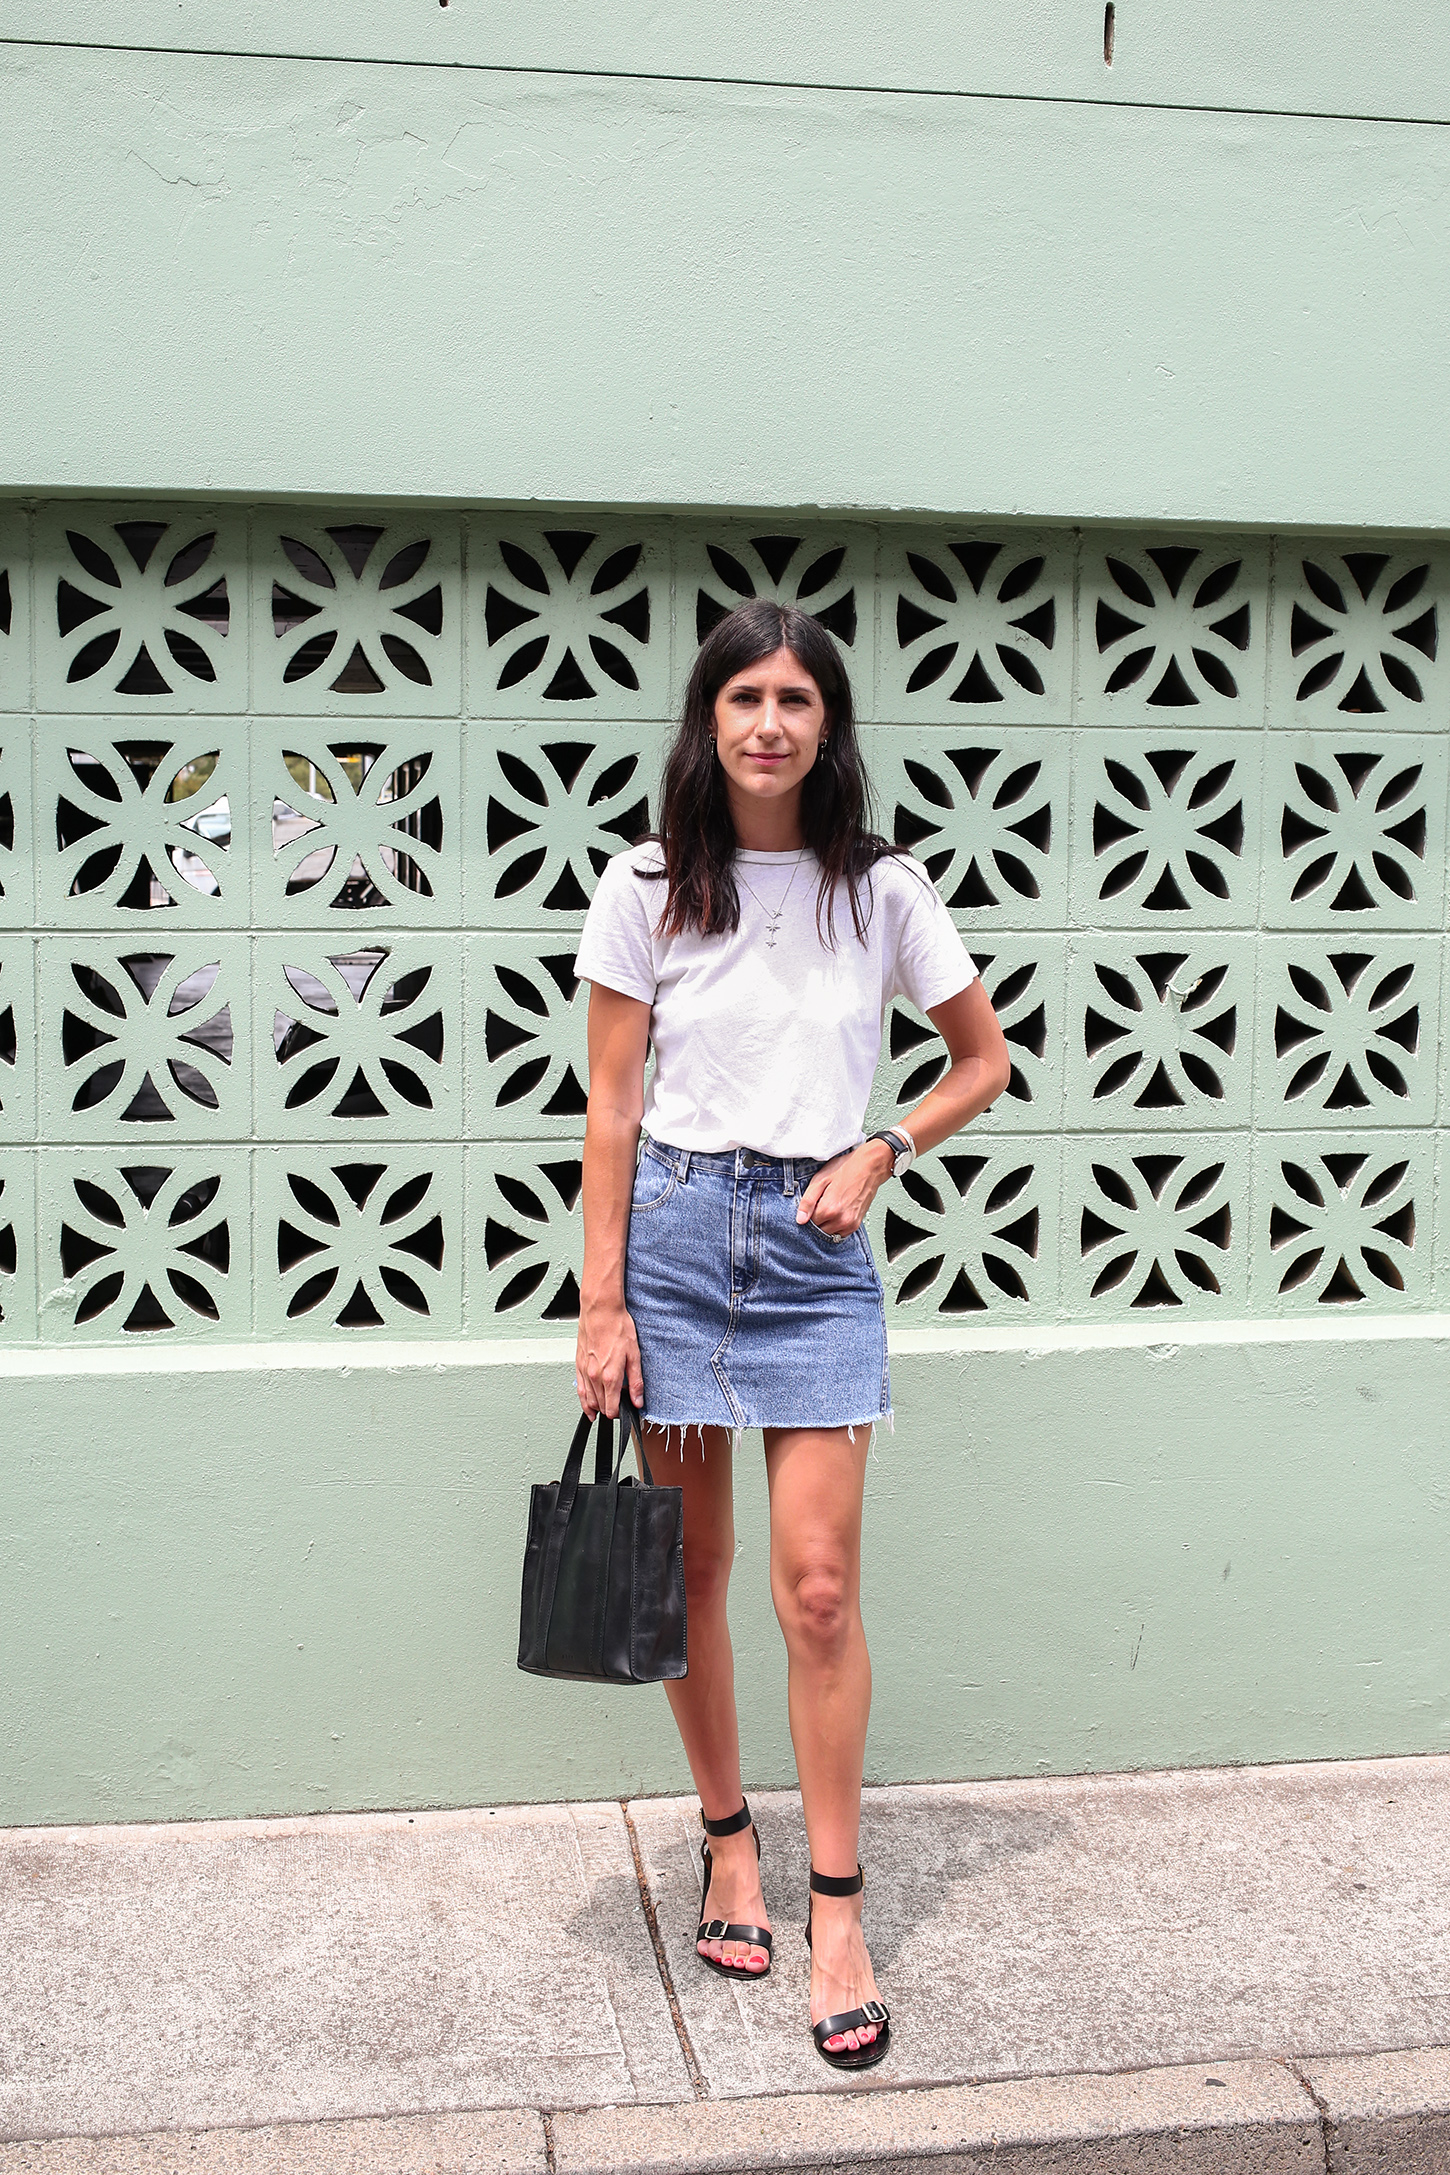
(816,1480)
(703,1703)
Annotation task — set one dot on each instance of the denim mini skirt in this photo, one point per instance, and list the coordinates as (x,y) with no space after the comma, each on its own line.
(745,1317)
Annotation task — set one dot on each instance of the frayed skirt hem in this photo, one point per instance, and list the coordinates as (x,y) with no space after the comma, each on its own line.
(683,1428)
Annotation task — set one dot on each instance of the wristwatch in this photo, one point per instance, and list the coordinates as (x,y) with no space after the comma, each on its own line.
(902,1146)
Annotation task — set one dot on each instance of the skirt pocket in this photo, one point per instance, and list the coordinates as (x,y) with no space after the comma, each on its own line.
(831,1242)
(654,1182)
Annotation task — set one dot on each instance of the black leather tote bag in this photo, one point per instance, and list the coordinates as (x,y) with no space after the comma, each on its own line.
(604,1569)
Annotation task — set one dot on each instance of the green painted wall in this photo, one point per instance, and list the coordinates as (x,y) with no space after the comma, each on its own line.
(1098,409)
(1168,1477)
(281,1584)
(268,275)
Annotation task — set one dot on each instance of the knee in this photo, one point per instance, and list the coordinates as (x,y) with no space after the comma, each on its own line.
(817,1608)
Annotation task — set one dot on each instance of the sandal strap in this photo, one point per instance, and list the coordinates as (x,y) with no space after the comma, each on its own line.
(733,1826)
(850,2020)
(833,1884)
(720,1929)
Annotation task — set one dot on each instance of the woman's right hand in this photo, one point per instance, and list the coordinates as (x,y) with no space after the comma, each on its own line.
(605,1358)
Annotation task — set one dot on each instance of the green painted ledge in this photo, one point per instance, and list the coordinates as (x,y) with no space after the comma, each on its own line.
(253,275)
(269,1580)
(1304,56)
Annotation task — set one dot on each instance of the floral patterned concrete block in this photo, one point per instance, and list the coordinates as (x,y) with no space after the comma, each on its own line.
(568,621)
(140,611)
(1172,632)
(357,614)
(1344,1225)
(302,808)
(975,624)
(1358,633)
(971,1230)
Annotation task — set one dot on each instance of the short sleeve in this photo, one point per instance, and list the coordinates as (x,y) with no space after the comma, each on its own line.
(932,963)
(617,944)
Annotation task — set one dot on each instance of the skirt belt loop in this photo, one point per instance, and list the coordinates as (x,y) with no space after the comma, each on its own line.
(683,1166)
(790,1178)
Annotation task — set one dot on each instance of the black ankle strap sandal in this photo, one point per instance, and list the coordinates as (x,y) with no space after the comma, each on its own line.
(721,1929)
(849,2020)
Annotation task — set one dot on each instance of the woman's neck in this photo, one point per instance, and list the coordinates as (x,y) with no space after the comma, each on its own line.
(772,826)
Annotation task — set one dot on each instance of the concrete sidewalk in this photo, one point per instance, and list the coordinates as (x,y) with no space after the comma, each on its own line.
(1237,1969)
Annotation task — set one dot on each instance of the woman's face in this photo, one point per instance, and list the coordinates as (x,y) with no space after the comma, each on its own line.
(769,723)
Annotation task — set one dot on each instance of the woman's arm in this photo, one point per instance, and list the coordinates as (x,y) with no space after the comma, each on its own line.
(839,1195)
(608,1350)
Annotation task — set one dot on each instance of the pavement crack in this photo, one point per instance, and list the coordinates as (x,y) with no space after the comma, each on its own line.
(1321,2108)
(662,1962)
(546,2117)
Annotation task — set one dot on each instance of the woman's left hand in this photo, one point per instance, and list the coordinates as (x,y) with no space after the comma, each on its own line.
(837,1198)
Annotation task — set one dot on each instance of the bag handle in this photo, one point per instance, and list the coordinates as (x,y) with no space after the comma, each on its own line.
(630,1423)
(607,1466)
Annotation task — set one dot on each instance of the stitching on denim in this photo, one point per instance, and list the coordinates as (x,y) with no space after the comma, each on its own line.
(717,1357)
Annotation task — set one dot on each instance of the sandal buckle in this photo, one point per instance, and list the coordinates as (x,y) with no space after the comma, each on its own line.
(874,2012)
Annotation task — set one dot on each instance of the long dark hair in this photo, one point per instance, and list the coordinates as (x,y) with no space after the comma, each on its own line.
(697,833)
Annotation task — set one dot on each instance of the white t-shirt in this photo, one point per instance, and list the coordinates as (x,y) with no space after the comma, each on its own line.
(763,1046)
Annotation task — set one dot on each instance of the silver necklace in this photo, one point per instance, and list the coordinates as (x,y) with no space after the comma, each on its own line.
(772,920)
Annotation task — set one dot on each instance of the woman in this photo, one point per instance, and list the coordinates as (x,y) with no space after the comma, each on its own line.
(756,942)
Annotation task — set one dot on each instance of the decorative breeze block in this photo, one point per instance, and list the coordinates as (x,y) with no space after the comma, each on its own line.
(139,831)
(570,621)
(145,1241)
(986,815)
(975,625)
(1358,634)
(1161,1033)
(146,1045)
(1343,1226)
(359,1241)
(1355,832)
(528,1046)
(351,828)
(828,573)
(359,1041)
(546,816)
(1348,1031)
(140,612)
(357,614)
(525,1238)
(1151,1224)
(1166,834)
(1172,632)
(970,1230)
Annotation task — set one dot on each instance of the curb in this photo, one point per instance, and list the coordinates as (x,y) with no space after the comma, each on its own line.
(1254,2119)
(1336,2116)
